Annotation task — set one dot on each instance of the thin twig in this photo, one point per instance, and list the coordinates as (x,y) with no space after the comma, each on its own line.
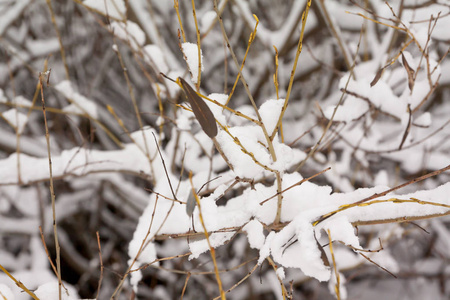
(382,268)
(250,41)
(211,249)
(296,184)
(46,251)
(18,283)
(330,122)
(61,46)
(294,67)
(101,264)
(136,109)
(240,281)
(199,53)
(284,292)
(337,286)
(185,285)
(244,82)
(51,187)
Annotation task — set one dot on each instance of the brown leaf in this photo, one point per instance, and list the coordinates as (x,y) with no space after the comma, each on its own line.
(201,110)
(409,71)
(377,77)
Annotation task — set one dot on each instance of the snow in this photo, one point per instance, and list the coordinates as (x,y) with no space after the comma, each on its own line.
(3,99)
(114,8)
(347,258)
(20,101)
(442,233)
(154,55)
(218,111)
(130,32)
(255,234)
(171,89)
(16,119)
(382,178)
(286,156)
(297,240)
(423,120)
(79,103)
(342,288)
(280,273)
(380,95)
(243,164)
(264,252)
(297,237)
(42,47)
(6,292)
(49,291)
(245,144)
(11,13)
(419,93)
(206,20)
(37,277)
(352,109)
(423,14)
(79,161)
(23,200)
(215,239)
(270,112)
(190,52)
(282,35)
(183,122)
(342,230)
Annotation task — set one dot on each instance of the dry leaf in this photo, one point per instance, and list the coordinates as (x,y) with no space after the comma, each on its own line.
(410,73)
(201,110)
(377,77)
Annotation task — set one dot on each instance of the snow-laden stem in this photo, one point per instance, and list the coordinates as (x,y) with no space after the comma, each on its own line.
(263,127)
(18,283)
(244,82)
(212,250)
(336,271)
